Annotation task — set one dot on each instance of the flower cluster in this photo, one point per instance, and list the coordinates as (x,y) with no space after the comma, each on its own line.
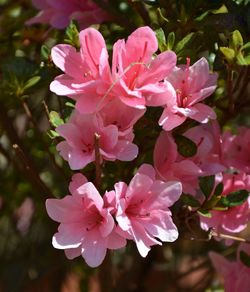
(87,225)
(109,100)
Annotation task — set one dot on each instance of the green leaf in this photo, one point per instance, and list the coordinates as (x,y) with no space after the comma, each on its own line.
(170,40)
(234,199)
(72,34)
(184,42)
(45,52)
(185,146)
(246,46)
(31,82)
(240,59)
(206,184)
(53,134)
(160,35)
(237,39)
(205,213)
(245,258)
(190,200)
(228,53)
(218,189)
(70,104)
(55,119)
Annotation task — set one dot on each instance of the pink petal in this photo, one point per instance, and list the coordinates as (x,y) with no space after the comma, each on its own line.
(64,210)
(203,114)
(170,120)
(161,98)
(92,44)
(73,253)
(141,44)
(142,239)
(90,192)
(77,180)
(138,187)
(162,227)
(68,60)
(115,241)
(126,151)
(159,68)
(147,170)
(198,74)
(70,235)
(108,225)
(94,251)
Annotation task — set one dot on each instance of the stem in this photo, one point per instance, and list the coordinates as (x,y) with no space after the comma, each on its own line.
(31,172)
(97,161)
(230,89)
(39,134)
(227,236)
(46,110)
(33,175)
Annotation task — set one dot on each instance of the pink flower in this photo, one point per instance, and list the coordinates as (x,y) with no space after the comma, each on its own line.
(87,73)
(236,149)
(79,147)
(136,79)
(236,275)
(192,85)
(142,209)
(234,219)
(170,165)
(124,117)
(86,227)
(137,74)
(58,13)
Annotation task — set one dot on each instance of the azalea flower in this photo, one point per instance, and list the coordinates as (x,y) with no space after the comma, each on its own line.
(87,75)
(192,85)
(58,13)
(170,165)
(86,227)
(79,145)
(124,117)
(136,78)
(142,209)
(236,274)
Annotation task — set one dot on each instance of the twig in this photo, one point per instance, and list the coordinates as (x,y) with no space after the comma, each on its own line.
(40,135)
(31,172)
(7,125)
(227,236)
(46,110)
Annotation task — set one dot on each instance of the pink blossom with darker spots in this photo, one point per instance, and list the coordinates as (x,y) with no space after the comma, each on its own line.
(192,85)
